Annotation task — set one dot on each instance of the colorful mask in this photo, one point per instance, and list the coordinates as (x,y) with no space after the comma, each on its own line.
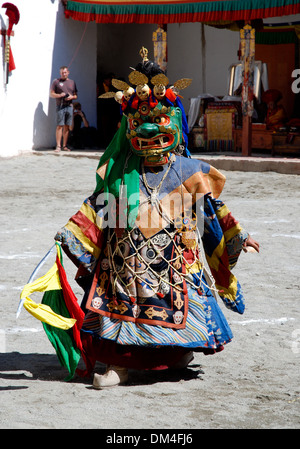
(153,132)
(153,111)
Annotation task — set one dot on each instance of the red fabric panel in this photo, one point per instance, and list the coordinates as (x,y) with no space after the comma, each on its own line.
(72,305)
(89,229)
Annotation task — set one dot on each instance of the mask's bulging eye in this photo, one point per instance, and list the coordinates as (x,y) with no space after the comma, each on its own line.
(135,123)
(144,109)
(161,120)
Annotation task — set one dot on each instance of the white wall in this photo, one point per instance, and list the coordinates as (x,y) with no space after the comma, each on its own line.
(43,41)
(203,56)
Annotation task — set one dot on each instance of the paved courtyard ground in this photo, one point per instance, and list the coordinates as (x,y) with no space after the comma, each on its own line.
(253,384)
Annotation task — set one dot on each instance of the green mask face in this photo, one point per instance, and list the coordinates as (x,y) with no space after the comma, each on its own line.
(154,131)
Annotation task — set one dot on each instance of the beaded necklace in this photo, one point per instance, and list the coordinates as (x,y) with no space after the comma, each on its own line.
(154,191)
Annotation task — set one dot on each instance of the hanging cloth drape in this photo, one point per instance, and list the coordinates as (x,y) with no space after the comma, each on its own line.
(177,11)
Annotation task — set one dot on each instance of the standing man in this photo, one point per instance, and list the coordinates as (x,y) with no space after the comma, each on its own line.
(64,90)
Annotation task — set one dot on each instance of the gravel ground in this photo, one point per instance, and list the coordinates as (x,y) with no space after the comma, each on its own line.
(252,384)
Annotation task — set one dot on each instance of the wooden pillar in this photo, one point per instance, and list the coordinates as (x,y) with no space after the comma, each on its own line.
(247,36)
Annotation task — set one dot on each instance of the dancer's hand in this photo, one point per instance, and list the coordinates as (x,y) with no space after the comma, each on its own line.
(250,245)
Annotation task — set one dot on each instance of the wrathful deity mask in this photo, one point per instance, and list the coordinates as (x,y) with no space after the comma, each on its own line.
(153,111)
(154,131)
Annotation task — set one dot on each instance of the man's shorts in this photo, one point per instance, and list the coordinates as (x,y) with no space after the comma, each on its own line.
(64,115)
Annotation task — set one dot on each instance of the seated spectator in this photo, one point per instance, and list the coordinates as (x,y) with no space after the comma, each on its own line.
(276,115)
(81,137)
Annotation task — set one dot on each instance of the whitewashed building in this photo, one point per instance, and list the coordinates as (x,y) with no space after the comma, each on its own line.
(44,40)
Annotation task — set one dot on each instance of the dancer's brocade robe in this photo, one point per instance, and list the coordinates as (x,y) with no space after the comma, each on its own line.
(146,285)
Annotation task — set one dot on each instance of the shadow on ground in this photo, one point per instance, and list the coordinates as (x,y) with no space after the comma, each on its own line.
(16,366)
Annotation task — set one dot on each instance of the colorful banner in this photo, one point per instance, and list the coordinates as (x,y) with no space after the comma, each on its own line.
(177,11)
(247,37)
(159,38)
(59,312)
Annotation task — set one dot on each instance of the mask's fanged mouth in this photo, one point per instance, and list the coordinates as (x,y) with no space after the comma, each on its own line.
(160,142)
